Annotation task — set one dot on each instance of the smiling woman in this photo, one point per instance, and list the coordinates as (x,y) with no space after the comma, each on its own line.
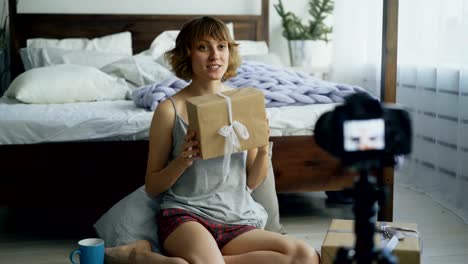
(208,214)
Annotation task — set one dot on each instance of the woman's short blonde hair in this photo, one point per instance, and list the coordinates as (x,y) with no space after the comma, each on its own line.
(194,31)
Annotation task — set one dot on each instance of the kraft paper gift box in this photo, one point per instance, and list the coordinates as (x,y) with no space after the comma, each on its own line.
(341,233)
(207,114)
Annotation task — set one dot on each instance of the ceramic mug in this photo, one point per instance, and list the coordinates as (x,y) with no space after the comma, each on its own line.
(91,251)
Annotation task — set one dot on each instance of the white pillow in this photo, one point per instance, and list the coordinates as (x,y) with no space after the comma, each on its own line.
(132,218)
(47,56)
(230,27)
(265,194)
(120,43)
(251,47)
(25,59)
(138,70)
(66,83)
(163,43)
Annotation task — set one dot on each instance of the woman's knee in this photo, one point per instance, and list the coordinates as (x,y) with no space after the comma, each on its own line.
(303,253)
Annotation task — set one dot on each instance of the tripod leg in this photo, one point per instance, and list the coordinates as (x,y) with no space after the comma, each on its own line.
(344,256)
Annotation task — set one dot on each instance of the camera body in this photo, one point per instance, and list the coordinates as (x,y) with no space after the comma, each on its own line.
(363,131)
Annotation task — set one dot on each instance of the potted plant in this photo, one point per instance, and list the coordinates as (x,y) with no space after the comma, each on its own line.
(305,38)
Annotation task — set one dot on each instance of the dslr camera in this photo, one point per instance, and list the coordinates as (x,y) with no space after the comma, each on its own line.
(363,131)
(365,134)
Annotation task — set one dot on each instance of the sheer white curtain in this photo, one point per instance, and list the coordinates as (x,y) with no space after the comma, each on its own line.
(432,85)
(357,42)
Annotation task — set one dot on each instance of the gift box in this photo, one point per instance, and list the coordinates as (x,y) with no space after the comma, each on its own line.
(341,234)
(208,114)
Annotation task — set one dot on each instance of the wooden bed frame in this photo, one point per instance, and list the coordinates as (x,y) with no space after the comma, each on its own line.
(68,185)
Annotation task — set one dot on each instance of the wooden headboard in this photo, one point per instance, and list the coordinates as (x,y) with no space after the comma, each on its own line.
(144,28)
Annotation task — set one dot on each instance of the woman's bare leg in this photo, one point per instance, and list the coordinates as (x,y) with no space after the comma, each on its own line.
(138,252)
(255,246)
(192,242)
(260,246)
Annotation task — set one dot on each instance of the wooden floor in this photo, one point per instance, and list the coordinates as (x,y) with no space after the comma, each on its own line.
(305,216)
(445,236)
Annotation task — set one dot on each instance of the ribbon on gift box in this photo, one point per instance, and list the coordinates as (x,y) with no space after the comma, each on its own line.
(393,234)
(230,132)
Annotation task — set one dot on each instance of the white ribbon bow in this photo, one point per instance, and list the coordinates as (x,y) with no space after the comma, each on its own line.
(232,141)
(394,234)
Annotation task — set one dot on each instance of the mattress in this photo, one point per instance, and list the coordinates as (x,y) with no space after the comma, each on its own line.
(118,120)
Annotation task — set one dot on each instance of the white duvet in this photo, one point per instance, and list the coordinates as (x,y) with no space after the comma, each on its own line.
(117,120)
(37,123)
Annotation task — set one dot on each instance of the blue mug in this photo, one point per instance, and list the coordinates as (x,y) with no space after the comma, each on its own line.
(91,251)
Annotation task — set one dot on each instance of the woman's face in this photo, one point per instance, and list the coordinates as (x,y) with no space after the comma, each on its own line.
(210,59)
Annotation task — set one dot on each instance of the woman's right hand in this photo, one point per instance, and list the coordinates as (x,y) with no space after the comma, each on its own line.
(191,151)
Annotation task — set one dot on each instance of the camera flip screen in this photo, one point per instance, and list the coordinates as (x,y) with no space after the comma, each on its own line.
(364,135)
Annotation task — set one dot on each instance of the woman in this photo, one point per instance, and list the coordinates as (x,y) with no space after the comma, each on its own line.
(205,218)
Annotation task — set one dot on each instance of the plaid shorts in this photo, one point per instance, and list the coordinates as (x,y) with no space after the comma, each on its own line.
(170,219)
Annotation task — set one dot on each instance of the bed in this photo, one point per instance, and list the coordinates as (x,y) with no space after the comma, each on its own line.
(67,185)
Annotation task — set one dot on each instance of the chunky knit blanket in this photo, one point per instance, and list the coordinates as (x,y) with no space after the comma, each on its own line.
(279,85)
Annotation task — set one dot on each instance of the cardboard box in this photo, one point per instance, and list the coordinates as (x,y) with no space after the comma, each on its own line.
(341,233)
(208,113)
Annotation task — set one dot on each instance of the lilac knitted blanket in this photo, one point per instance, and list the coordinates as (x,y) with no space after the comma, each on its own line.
(279,85)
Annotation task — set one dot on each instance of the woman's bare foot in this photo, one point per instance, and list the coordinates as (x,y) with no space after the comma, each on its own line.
(127,253)
(138,252)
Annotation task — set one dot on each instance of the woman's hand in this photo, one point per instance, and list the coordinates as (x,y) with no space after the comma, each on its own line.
(257,163)
(267,146)
(191,150)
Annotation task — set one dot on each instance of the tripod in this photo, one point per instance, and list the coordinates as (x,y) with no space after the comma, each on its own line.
(366,194)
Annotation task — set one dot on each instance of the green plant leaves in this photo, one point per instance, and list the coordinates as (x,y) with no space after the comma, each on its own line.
(294,29)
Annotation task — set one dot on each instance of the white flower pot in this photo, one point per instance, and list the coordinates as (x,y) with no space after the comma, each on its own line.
(310,53)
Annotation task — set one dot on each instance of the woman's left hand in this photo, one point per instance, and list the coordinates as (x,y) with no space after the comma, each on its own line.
(266,147)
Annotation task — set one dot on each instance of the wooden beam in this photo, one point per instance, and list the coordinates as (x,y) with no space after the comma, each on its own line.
(389,51)
(388,87)
(266,20)
(13,40)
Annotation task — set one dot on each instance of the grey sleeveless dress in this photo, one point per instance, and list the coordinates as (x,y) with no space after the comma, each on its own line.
(202,190)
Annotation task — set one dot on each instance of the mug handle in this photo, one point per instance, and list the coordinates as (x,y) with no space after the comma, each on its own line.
(72,255)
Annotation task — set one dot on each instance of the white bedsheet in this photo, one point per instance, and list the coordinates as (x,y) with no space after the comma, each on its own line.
(117,120)
(295,120)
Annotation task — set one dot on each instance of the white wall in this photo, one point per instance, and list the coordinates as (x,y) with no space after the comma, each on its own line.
(141,6)
(278,43)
